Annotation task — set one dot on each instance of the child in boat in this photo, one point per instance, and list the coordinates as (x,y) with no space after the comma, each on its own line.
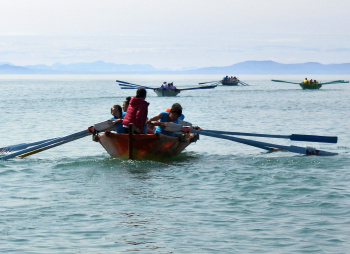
(117,118)
(137,112)
(161,118)
(126,105)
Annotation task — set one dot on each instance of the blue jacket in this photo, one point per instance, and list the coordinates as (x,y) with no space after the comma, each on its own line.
(163,120)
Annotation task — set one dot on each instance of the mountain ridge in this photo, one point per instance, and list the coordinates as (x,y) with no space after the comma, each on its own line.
(246,67)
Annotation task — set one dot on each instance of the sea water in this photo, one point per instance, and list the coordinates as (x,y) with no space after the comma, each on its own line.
(217,196)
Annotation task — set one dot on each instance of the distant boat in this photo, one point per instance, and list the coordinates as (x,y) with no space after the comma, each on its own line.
(227,81)
(311,84)
(164,91)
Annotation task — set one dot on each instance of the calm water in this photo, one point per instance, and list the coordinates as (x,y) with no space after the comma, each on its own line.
(218,196)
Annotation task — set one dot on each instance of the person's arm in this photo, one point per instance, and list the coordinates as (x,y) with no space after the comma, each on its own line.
(119,120)
(154,118)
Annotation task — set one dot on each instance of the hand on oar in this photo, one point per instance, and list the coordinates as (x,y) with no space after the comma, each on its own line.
(103,126)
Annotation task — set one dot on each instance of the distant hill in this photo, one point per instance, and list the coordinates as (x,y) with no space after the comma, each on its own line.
(11,69)
(248,67)
(270,67)
(98,67)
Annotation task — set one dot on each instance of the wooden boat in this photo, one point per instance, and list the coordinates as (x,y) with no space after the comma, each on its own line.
(229,82)
(306,84)
(310,86)
(160,91)
(166,92)
(144,146)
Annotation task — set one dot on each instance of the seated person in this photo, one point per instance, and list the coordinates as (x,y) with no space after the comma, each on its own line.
(126,105)
(182,117)
(137,112)
(164,86)
(117,118)
(161,118)
(171,86)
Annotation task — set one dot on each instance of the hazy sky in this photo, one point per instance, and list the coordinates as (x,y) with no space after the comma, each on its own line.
(174,33)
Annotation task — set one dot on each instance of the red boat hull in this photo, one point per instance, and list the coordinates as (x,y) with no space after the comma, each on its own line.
(145,146)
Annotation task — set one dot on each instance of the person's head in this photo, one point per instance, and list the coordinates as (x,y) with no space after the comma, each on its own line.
(141,93)
(175,111)
(116,111)
(126,103)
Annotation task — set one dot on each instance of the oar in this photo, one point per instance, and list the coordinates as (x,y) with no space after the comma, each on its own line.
(71,137)
(293,137)
(216,81)
(103,126)
(334,82)
(25,154)
(274,80)
(242,83)
(133,85)
(10,149)
(264,145)
(200,87)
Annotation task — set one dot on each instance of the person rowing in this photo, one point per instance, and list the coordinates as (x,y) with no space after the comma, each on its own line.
(163,117)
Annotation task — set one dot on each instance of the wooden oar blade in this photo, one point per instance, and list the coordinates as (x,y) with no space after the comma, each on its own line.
(314,138)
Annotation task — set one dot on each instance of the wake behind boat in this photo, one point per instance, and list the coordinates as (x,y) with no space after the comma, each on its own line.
(165,90)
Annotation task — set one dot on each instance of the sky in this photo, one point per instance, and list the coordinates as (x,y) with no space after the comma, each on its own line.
(174,34)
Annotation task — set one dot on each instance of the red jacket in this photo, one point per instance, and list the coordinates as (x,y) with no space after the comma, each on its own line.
(136,113)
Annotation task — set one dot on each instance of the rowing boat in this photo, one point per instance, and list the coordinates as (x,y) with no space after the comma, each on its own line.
(231,82)
(166,92)
(310,86)
(162,91)
(144,146)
